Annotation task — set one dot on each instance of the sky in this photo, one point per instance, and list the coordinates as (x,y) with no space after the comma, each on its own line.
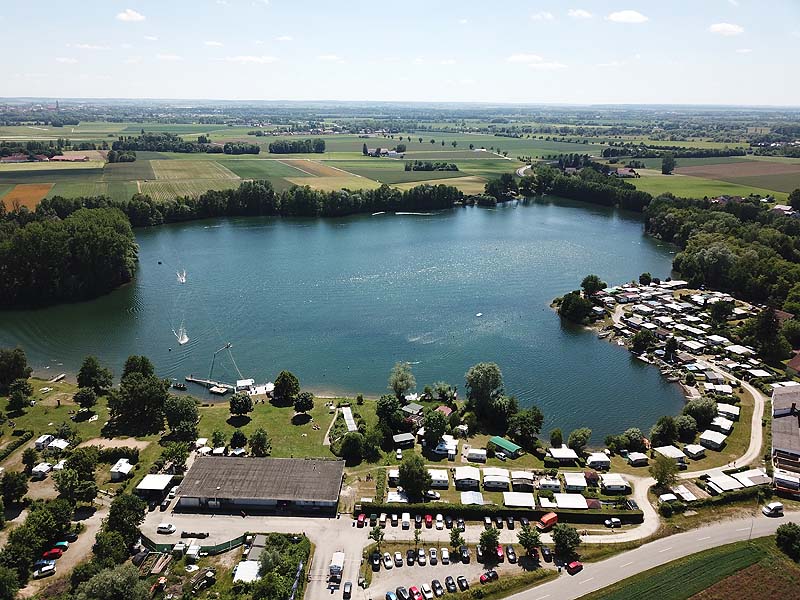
(741,52)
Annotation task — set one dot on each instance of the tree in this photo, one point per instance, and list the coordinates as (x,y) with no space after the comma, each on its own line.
(670,348)
(352,447)
(484,384)
(85,397)
(22,387)
(794,199)
(791,331)
(138,404)
(14,486)
(722,311)
(138,364)
(388,411)
(417,537)
(304,402)
(238,439)
(642,340)
(287,387)
(177,453)
(787,538)
(414,477)
(84,462)
(578,438)
(667,163)
(401,379)
(364,149)
(93,375)
(259,443)
(703,410)
(635,439)
(566,539)
(664,470)
(125,515)
(574,307)
(556,438)
(489,540)
(241,403)
(664,432)
(376,535)
(435,424)
(17,403)
(109,548)
(528,538)
(182,417)
(218,438)
(120,583)
(30,458)
(456,540)
(13,365)
(524,427)
(645,279)
(686,427)
(770,343)
(72,488)
(373,438)
(592,284)
(9,583)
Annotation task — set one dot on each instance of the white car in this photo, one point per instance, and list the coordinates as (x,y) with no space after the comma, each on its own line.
(387,561)
(613,522)
(427,592)
(439,521)
(172,492)
(421,558)
(398,559)
(166,528)
(445,554)
(773,509)
(398,455)
(432,495)
(44,571)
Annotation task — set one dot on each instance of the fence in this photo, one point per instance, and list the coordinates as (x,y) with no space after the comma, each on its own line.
(218,549)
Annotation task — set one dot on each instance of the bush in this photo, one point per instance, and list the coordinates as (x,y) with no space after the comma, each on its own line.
(13,445)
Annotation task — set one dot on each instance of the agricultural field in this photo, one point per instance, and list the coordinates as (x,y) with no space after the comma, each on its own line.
(141,169)
(259,168)
(169,189)
(655,163)
(26,194)
(695,187)
(190,169)
(23,168)
(330,184)
(781,177)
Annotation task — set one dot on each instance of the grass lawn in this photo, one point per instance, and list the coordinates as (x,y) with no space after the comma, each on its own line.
(685,577)
(655,183)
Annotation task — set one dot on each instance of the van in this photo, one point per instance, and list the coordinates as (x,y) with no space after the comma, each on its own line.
(166,528)
(773,509)
(382,520)
(406,520)
(547,521)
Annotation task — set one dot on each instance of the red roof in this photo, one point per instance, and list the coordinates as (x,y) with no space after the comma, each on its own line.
(794,364)
(445,410)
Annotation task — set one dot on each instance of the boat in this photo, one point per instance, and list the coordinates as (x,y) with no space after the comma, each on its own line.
(57,378)
(604,334)
(643,358)
(177,385)
(181,335)
(375,214)
(181,276)
(478,314)
(673,378)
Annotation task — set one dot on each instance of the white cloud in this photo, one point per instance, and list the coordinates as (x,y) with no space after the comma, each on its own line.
(579,13)
(214,44)
(462,21)
(222,2)
(547,66)
(133,60)
(66,60)
(257,60)
(419,60)
(524,58)
(284,38)
(88,47)
(447,61)
(169,57)
(627,16)
(542,16)
(329,58)
(151,38)
(126,46)
(130,16)
(726,29)
(733,2)
(744,50)
(613,64)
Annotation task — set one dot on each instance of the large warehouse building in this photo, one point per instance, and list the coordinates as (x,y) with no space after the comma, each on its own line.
(237,483)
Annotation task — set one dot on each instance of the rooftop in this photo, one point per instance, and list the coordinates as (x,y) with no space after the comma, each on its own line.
(288,479)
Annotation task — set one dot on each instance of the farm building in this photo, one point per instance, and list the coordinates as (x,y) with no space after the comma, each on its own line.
(262,483)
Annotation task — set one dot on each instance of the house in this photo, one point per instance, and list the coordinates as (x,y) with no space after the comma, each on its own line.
(599,461)
(550,484)
(672,452)
(626,172)
(42,441)
(614,483)
(476,455)
(712,439)
(200,443)
(466,478)
(58,445)
(574,482)
(41,470)
(495,478)
(723,483)
(412,409)
(564,455)
(793,366)
(121,469)
(695,451)
(722,425)
(637,459)
(786,428)
(404,440)
(439,478)
(501,444)
(522,481)
(445,410)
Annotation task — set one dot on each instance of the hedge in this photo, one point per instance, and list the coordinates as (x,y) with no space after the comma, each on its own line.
(112,455)
(6,452)
(475,513)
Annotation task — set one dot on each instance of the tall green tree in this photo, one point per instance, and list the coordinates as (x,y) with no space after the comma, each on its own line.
(528,538)
(664,432)
(435,424)
(664,470)
(13,365)
(667,163)
(241,403)
(259,443)
(592,284)
(484,384)
(125,515)
(401,379)
(489,540)
(120,583)
(85,397)
(182,416)
(579,438)
(287,387)
(109,548)
(138,364)
(137,405)
(566,539)
(93,375)
(304,402)
(72,488)
(794,198)
(9,583)
(14,486)
(414,477)
(524,427)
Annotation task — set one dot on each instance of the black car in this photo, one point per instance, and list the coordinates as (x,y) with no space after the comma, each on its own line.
(461,525)
(511,555)
(438,590)
(448,522)
(348,590)
(547,554)
(418,521)
(375,559)
(164,504)
(71,536)
(450,584)
(464,552)
(463,584)
(402,593)
(410,557)
(510,522)
(498,522)
(632,505)
(479,553)
(524,521)
(490,575)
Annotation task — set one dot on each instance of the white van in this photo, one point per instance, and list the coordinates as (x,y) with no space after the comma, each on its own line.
(165,528)
(406,520)
(382,520)
(773,509)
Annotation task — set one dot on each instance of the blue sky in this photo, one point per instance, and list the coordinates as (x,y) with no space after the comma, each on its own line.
(536,51)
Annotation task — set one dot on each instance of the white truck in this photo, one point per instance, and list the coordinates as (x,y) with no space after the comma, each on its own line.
(336,569)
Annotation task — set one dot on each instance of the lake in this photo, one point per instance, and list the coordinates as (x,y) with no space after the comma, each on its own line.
(338,302)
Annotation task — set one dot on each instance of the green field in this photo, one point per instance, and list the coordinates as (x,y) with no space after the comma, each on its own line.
(784,182)
(655,163)
(141,169)
(696,187)
(55,175)
(169,189)
(190,169)
(262,169)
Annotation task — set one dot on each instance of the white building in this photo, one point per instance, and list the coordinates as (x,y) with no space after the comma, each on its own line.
(722,424)
(439,478)
(519,500)
(671,452)
(42,441)
(694,451)
(571,501)
(121,469)
(522,481)
(613,482)
(467,478)
(41,470)
(713,439)
(476,455)
(565,454)
(551,484)
(58,445)
(599,461)
(637,459)
(574,482)
(495,478)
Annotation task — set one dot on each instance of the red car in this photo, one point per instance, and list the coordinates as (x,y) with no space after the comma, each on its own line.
(489,576)
(574,567)
(361,519)
(415,593)
(499,553)
(428,521)
(55,553)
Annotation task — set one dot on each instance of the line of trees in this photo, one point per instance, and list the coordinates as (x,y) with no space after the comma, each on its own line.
(429,165)
(315,146)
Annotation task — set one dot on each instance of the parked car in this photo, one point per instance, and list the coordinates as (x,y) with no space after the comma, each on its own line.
(433,495)
(414,592)
(487,522)
(44,571)
(172,492)
(445,554)
(422,560)
(71,536)
(402,593)
(395,519)
(510,522)
(448,522)
(427,592)
(373,520)
(489,576)
(362,518)
(524,521)
(574,567)
(428,521)
(511,555)
(464,552)
(633,505)
(450,584)
(462,526)
(439,522)
(376,561)
(166,528)
(53,553)
(406,520)
(498,521)
(383,519)
(773,509)
(398,559)
(398,454)
(463,584)
(391,596)
(499,553)
(387,561)
(479,553)
(501,455)
(347,591)
(547,554)
(164,504)
(43,563)
(438,590)
(433,556)
(417,521)
(613,522)
(410,555)
(63,545)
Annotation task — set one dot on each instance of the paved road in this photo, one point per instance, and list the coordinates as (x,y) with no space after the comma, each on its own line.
(521,170)
(598,575)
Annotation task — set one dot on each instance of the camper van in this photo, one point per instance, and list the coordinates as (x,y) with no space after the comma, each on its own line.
(406,520)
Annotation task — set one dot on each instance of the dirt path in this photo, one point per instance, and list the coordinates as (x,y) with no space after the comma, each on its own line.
(116,443)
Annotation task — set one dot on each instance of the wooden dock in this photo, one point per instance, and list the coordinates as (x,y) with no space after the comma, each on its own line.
(211,384)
